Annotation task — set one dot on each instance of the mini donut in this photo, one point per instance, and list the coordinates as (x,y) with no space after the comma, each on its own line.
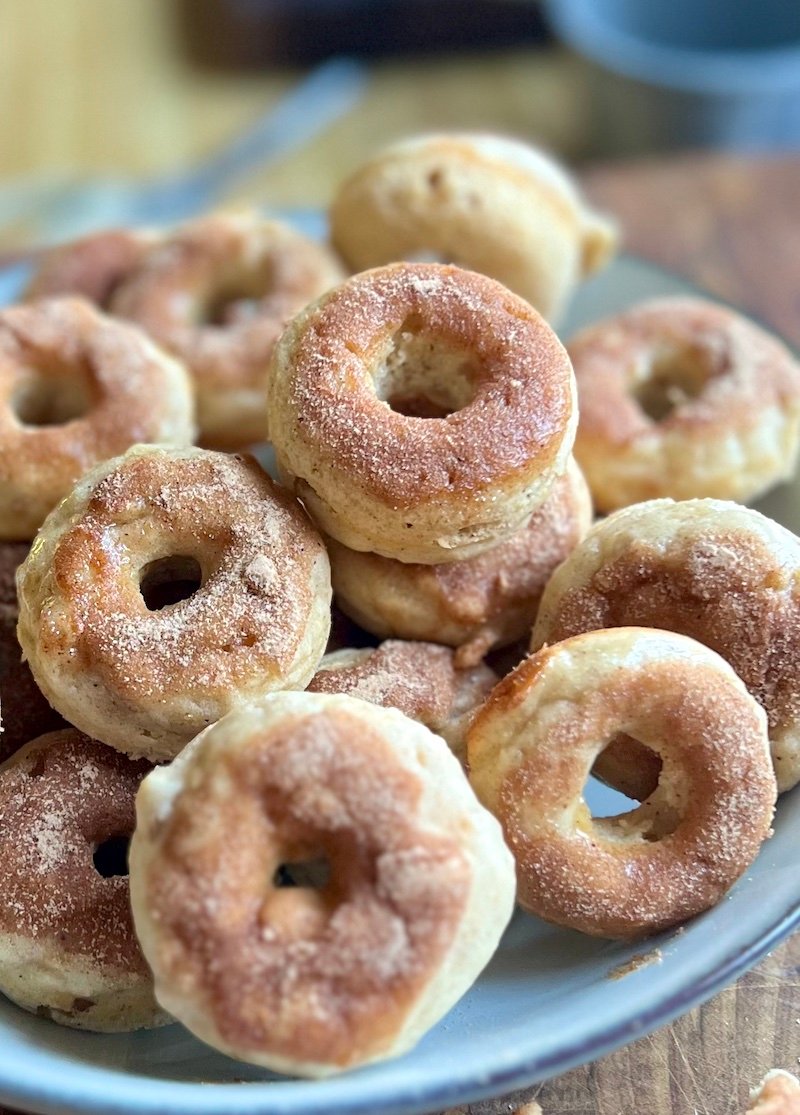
(216,293)
(420,679)
(168,588)
(483,202)
(717,572)
(26,714)
(531,748)
(67,945)
(777,1094)
(76,388)
(477,604)
(91,267)
(421,412)
(402,883)
(683,398)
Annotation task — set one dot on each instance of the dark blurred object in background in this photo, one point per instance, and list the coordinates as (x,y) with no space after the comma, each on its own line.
(230,34)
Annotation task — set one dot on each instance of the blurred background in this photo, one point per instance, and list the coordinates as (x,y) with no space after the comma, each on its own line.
(103,92)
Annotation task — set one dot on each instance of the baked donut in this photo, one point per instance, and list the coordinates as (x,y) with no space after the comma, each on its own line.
(420,679)
(67,946)
(483,202)
(91,267)
(402,883)
(216,293)
(170,587)
(477,604)
(531,747)
(777,1094)
(683,398)
(75,389)
(421,412)
(26,714)
(717,572)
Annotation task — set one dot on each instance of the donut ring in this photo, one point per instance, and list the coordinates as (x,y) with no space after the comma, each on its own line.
(123,658)
(333,972)
(422,680)
(91,267)
(217,293)
(75,389)
(533,743)
(26,714)
(683,398)
(717,572)
(67,946)
(353,373)
(485,203)
(478,604)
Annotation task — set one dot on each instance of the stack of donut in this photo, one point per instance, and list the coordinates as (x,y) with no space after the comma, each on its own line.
(325,848)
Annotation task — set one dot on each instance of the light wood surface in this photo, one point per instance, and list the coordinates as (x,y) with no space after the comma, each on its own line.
(97,86)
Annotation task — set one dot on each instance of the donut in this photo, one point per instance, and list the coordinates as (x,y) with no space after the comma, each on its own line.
(216,293)
(421,412)
(484,202)
(717,572)
(75,389)
(67,945)
(91,267)
(477,604)
(420,679)
(531,747)
(168,588)
(685,399)
(26,714)
(777,1094)
(403,885)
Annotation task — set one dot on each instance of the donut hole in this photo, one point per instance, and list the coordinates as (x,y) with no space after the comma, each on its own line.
(421,376)
(674,377)
(313,873)
(630,806)
(44,400)
(169,580)
(110,857)
(237,299)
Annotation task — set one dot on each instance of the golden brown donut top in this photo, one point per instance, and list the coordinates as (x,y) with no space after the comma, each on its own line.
(66,342)
(218,291)
(726,586)
(284,967)
(254,546)
(505,361)
(60,798)
(716,369)
(92,266)
(778,1094)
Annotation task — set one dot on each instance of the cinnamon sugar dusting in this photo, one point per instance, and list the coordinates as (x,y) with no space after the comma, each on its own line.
(59,799)
(325,974)
(257,553)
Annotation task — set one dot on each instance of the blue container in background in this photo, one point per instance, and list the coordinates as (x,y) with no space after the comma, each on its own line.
(688,73)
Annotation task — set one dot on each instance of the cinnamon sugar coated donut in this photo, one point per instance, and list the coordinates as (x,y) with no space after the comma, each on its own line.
(477,604)
(92,266)
(489,204)
(420,679)
(67,946)
(25,712)
(76,388)
(683,398)
(777,1094)
(715,571)
(421,412)
(403,883)
(170,587)
(216,293)
(531,748)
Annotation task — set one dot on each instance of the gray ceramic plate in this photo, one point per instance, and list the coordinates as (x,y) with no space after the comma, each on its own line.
(549,1000)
